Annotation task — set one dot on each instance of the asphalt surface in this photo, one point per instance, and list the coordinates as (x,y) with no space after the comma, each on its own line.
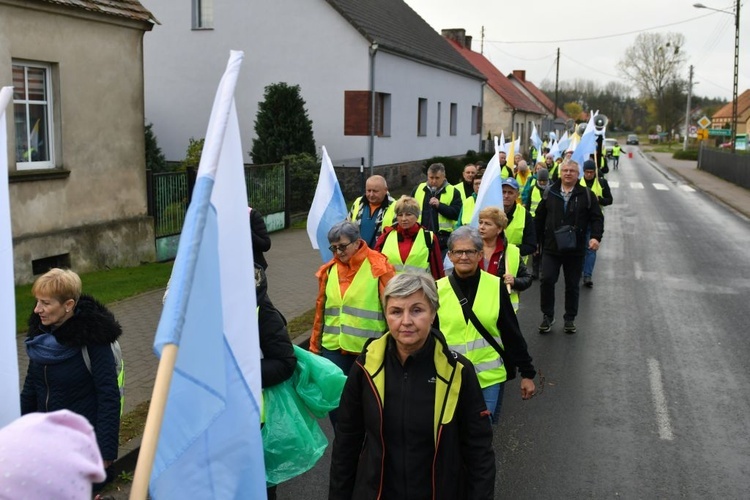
(647,400)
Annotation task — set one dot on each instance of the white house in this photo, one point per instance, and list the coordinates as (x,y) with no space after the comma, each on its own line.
(357,62)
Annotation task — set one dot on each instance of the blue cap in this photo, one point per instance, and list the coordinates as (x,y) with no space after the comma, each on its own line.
(510,181)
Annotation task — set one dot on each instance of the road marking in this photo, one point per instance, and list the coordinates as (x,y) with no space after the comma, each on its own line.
(660,187)
(614,184)
(687,188)
(660,401)
(637,270)
(636,185)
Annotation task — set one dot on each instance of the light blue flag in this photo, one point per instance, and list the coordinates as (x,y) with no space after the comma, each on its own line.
(328,208)
(11,407)
(562,145)
(586,146)
(536,141)
(490,190)
(210,445)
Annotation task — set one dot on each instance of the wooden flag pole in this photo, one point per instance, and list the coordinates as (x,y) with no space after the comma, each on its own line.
(154,419)
(507,269)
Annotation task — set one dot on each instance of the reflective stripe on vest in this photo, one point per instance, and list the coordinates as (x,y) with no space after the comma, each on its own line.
(357,316)
(514,231)
(446,197)
(595,188)
(419,255)
(461,334)
(447,382)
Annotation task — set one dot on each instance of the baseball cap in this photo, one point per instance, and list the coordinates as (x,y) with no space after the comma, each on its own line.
(510,181)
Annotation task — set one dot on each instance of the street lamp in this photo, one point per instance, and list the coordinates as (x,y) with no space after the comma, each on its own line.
(736,64)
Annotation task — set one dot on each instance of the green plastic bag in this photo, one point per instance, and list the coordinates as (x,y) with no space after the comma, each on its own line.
(293,441)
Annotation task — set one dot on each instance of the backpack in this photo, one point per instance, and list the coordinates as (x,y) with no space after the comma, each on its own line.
(119,368)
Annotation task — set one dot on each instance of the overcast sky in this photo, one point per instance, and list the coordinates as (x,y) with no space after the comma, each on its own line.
(521,34)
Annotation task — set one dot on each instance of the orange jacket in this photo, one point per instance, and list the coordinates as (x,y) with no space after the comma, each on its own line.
(381,270)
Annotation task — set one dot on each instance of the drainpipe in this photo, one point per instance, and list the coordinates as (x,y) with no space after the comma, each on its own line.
(371,145)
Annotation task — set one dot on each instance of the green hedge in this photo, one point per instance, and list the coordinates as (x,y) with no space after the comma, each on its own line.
(454,166)
(690,154)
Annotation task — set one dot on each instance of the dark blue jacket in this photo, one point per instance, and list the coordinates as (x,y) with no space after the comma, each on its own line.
(69,384)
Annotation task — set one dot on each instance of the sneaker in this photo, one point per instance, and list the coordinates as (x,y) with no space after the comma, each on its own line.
(546,324)
(587,282)
(570,327)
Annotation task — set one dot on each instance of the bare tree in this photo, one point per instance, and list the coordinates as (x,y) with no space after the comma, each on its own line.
(653,63)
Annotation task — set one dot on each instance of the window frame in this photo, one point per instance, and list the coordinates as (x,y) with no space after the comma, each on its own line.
(422,117)
(454,119)
(49,103)
(203,15)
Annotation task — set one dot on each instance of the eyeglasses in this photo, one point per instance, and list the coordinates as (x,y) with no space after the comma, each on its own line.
(464,253)
(339,248)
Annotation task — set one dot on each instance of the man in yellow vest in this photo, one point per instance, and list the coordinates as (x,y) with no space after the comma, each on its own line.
(466,186)
(467,209)
(477,320)
(520,230)
(600,188)
(532,197)
(616,151)
(373,211)
(440,204)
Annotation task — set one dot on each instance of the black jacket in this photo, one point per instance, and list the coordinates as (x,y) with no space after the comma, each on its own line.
(583,212)
(69,384)
(606,198)
(278,362)
(261,240)
(389,451)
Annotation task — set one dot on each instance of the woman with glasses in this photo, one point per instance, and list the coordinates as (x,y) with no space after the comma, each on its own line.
(348,311)
(478,321)
(499,257)
(409,246)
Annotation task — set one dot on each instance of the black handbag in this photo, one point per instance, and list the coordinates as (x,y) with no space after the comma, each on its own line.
(566,238)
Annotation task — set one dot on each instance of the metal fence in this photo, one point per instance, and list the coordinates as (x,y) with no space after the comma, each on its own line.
(734,168)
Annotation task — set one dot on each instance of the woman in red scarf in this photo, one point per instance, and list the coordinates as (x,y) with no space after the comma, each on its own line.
(500,257)
(409,246)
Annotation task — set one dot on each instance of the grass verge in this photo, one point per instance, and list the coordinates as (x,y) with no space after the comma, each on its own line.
(301,323)
(106,286)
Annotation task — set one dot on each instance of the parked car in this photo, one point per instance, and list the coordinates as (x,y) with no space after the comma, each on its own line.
(632,139)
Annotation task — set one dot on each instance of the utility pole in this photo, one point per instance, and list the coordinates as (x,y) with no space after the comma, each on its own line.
(557,81)
(687,111)
(481,45)
(736,69)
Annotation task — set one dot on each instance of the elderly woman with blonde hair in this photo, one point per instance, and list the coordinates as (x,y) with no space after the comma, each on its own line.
(409,246)
(501,258)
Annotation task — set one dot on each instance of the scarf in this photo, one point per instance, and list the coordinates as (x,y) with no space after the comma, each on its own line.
(45,349)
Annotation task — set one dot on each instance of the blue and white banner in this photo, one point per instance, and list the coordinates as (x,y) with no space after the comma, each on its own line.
(328,208)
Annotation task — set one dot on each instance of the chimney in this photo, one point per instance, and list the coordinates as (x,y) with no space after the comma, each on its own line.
(458,35)
(520,74)
(468,42)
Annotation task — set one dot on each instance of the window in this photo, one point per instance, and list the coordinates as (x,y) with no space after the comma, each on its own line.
(476,120)
(438,118)
(32,115)
(422,117)
(454,118)
(382,114)
(203,14)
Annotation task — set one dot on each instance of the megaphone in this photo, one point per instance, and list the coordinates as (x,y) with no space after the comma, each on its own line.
(581,128)
(600,122)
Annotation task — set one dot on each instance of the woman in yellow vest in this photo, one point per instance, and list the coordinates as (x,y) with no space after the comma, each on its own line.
(478,321)
(348,311)
(413,422)
(501,258)
(409,246)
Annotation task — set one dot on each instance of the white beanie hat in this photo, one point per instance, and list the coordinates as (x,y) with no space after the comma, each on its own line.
(49,455)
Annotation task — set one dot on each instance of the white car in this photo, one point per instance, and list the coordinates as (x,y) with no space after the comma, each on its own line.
(608,145)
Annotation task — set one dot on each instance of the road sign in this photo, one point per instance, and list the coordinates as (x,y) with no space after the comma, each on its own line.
(702,134)
(724,132)
(693,129)
(704,122)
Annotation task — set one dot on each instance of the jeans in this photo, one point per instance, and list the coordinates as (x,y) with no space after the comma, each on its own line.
(589,260)
(343,361)
(572,266)
(493,398)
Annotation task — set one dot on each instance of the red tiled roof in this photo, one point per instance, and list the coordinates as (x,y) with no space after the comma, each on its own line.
(743,104)
(542,97)
(498,81)
(130,9)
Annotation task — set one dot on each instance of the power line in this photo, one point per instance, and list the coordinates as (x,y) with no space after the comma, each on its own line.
(703,78)
(589,67)
(602,37)
(548,56)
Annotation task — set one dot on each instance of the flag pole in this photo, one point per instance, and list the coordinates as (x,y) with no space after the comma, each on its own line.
(154,419)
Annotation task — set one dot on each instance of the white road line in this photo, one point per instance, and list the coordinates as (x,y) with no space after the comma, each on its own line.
(637,270)
(614,184)
(687,188)
(636,185)
(660,401)
(660,187)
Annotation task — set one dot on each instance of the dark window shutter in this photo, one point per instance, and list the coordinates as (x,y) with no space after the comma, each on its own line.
(357,112)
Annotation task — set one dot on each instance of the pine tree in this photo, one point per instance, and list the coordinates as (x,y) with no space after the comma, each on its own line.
(155,160)
(282,126)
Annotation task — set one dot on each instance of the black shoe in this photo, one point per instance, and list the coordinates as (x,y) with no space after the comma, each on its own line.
(587,282)
(546,324)
(570,327)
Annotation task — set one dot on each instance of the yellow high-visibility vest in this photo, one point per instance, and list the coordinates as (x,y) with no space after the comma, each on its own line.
(419,255)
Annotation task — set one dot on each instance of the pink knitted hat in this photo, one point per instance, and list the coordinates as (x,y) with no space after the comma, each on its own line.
(49,455)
